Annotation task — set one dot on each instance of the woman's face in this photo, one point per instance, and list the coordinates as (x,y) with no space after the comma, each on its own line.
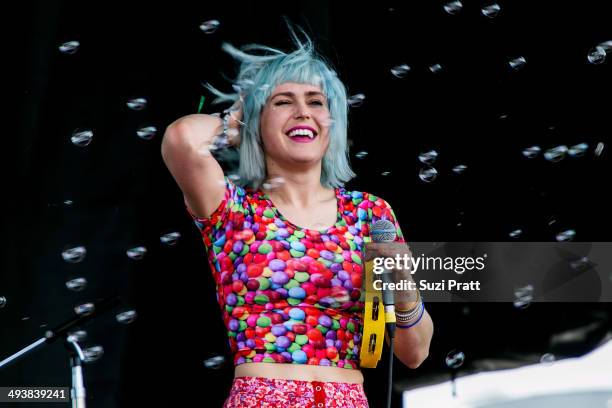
(294,124)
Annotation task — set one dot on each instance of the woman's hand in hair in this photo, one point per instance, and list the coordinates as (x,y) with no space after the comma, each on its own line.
(234,123)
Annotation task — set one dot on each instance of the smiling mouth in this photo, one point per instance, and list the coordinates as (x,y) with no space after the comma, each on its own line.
(302,135)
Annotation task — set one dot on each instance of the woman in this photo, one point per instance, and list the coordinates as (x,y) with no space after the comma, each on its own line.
(286,247)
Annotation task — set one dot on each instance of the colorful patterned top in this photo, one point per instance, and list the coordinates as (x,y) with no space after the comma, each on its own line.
(290,294)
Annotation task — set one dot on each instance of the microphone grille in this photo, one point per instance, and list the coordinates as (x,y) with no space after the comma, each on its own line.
(383,231)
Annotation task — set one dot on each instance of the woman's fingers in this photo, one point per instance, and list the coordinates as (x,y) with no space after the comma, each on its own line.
(371,251)
(386,249)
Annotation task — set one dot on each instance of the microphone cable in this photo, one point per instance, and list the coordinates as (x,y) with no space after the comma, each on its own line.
(391,331)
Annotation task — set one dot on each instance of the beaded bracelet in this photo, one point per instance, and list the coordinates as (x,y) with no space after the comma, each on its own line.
(418,320)
(402,317)
(410,311)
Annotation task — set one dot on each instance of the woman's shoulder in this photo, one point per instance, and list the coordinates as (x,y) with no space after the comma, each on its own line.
(364,199)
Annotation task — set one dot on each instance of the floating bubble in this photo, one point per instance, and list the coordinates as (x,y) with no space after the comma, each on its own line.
(361,155)
(583,264)
(241,86)
(233,177)
(516,233)
(219,142)
(453,7)
(567,235)
(136,253)
(69,47)
(68,202)
(2,301)
(459,169)
(532,152)
(522,303)
(578,150)
(428,175)
(606,45)
(84,309)
(170,239)
(78,336)
(93,353)
(356,100)
(81,138)
(221,182)
(214,363)
(385,173)
(455,359)
(503,116)
(556,153)
(273,183)
(517,63)
(599,149)
(547,358)
(126,317)
(77,284)
(597,55)
(137,104)
(327,121)
(264,87)
(400,71)
(210,26)
(75,254)
(147,132)
(428,157)
(523,296)
(435,68)
(491,10)
(25,318)
(340,294)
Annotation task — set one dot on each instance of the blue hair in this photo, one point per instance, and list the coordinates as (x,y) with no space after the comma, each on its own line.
(259,75)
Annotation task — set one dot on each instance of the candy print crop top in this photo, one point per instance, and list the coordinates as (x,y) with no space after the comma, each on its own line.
(290,294)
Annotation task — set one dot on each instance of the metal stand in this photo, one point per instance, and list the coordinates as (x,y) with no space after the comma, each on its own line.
(77,357)
(77,392)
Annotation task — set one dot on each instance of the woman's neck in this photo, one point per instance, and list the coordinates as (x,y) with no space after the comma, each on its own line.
(295,187)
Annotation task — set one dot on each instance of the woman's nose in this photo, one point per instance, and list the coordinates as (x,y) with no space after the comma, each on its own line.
(302,111)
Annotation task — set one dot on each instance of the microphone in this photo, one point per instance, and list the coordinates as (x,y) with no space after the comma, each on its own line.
(384,231)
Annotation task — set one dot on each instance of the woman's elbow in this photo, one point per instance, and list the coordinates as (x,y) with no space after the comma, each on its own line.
(416,359)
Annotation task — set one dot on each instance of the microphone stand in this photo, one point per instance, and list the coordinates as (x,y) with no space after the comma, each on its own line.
(77,392)
(383,231)
(389,303)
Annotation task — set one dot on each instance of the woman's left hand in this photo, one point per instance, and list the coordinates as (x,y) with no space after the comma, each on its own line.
(398,251)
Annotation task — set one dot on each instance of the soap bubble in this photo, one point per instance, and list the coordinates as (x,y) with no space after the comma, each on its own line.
(210,26)
(81,138)
(491,11)
(75,254)
(69,47)
(453,7)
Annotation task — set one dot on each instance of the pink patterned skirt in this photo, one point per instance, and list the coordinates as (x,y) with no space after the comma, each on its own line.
(259,392)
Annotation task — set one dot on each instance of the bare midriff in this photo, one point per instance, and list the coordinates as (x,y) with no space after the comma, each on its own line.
(299,372)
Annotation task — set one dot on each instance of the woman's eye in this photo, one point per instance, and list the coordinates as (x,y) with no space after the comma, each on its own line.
(317,102)
(281,103)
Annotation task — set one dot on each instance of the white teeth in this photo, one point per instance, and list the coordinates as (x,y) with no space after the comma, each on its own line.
(301,132)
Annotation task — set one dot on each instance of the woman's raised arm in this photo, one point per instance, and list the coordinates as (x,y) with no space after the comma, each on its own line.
(185,152)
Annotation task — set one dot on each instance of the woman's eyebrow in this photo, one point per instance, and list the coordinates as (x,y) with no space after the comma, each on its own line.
(291,94)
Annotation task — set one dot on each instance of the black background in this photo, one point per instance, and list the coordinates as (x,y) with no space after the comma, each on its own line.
(476,111)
